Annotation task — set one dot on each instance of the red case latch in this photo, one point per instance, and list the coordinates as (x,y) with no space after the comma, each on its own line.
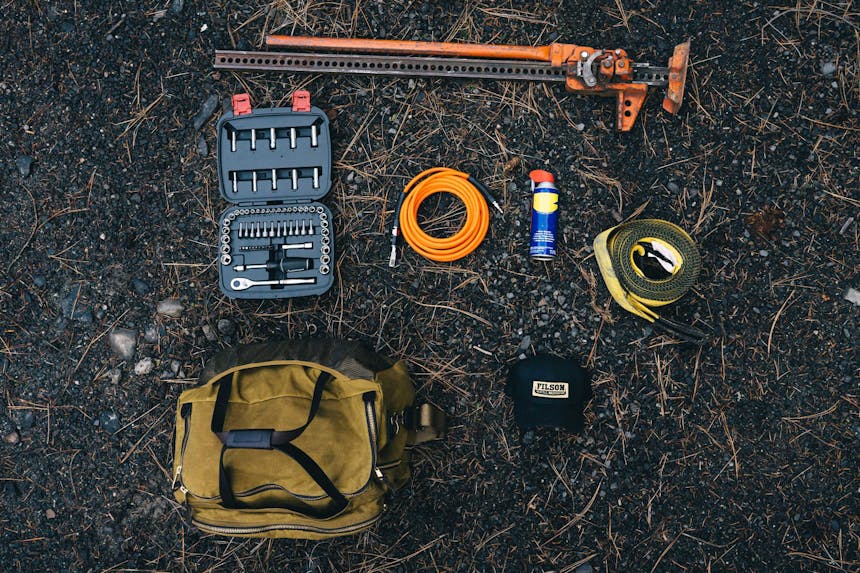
(241,104)
(301,101)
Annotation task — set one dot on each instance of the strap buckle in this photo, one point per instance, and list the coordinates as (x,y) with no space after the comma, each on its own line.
(250,439)
(427,421)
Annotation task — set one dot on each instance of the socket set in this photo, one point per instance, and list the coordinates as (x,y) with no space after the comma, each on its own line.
(276,240)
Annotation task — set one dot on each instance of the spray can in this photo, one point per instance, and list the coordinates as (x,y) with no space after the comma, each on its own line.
(544,215)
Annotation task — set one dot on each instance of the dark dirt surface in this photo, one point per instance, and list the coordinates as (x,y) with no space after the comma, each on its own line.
(741,455)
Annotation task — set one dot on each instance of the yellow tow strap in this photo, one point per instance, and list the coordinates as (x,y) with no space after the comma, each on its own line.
(649,263)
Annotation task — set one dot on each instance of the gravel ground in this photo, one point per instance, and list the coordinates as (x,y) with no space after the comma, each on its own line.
(740,455)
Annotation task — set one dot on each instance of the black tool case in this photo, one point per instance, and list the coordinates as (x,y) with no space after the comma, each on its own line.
(273,164)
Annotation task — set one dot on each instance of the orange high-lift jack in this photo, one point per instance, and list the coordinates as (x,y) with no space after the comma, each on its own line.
(584,70)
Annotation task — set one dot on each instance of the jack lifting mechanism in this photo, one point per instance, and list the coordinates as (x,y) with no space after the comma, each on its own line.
(584,70)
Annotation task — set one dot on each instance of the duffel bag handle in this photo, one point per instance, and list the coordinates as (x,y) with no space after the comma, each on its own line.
(272,439)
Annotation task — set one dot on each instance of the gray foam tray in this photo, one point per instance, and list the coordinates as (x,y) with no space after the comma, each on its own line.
(303,173)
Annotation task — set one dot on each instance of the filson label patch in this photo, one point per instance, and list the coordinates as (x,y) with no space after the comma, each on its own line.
(549,389)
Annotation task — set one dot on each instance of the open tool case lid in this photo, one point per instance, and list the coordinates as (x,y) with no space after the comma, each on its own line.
(293,151)
(273,164)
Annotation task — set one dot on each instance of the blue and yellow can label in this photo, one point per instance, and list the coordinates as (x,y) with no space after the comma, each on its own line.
(544,222)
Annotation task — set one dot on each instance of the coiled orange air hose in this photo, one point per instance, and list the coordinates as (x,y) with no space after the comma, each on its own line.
(474,195)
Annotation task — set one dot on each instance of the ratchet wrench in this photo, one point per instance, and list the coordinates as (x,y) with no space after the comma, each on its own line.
(241,283)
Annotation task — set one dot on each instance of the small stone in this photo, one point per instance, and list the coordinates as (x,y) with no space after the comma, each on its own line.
(24,163)
(584,568)
(528,437)
(123,342)
(525,343)
(828,68)
(50,513)
(175,366)
(209,333)
(226,327)
(202,147)
(673,187)
(144,366)
(151,334)
(141,287)
(114,375)
(579,127)
(40,281)
(853,295)
(72,306)
(109,422)
(170,307)
(763,253)
(12,437)
(12,493)
(176,6)
(206,110)
(25,419)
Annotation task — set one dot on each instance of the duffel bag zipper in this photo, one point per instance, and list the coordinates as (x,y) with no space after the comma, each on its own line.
(264,528)
(370,411)
(185,412)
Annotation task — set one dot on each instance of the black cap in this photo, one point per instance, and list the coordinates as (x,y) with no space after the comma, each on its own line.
(549,391)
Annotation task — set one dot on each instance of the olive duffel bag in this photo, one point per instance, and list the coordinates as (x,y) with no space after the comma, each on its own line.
(303,439)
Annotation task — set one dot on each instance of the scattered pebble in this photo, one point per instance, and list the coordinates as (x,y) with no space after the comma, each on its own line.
(24,164)
(123,342)
(25,419)
(72,306)
(579,127)
(151,334)
(202,147)
(206,110)
(144,366)
(226,327)
(12,493)
(209,333)
(176,6)
(525,343)
(109,422)
(828,68)
(12,437)
(853,295)
(40,281)
(673,187)
(50,513)
(114,375)
(528,437)
(584,568)
(141,287)
(170,307)
(763,253)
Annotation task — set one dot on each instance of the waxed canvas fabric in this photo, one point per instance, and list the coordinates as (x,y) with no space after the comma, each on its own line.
(272,387)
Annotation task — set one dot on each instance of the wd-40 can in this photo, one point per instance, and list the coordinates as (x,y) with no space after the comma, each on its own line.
(544,215)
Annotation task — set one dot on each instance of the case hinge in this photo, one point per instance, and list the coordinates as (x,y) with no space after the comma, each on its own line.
(301,101)
(241,104)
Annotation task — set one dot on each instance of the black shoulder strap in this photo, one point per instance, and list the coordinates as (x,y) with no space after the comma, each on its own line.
(268,439)
(338,501)
(219,414)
